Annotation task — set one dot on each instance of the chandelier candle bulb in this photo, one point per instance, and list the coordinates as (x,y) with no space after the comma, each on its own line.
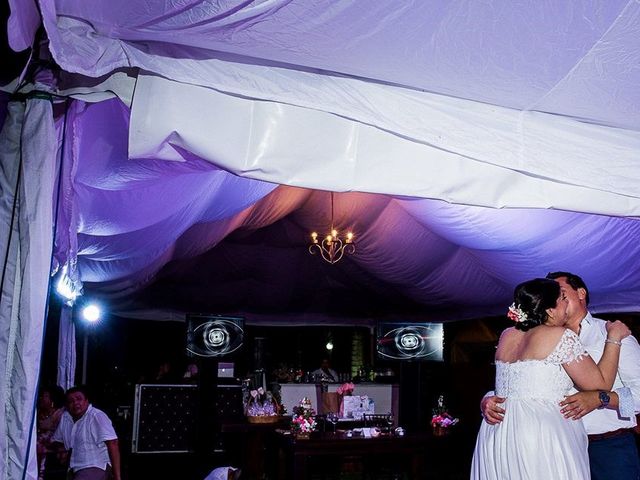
(332,248)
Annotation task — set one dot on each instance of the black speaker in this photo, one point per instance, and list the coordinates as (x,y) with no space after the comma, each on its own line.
(410,341)
(213,336)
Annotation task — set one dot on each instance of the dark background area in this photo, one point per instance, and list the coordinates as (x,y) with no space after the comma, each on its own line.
(125,352)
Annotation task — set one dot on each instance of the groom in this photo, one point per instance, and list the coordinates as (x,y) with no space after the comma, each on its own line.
(609,417)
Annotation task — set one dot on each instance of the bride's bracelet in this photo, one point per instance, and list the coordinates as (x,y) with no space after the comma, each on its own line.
(615,342)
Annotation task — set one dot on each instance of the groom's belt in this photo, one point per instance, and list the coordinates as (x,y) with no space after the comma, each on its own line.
(614,433)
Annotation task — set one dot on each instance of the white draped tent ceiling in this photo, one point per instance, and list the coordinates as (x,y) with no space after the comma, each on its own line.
(472,145)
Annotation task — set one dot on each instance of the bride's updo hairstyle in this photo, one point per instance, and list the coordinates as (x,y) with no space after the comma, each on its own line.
(531,299)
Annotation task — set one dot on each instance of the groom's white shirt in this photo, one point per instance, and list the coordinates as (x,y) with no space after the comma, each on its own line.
(593,333)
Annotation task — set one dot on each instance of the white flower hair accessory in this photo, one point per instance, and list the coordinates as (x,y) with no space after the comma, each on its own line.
(516,314)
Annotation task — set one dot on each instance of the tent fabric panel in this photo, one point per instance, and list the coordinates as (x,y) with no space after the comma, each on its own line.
(9,243)
(23,23)
(505,54)
(66,371)
(556,163)
(25,288)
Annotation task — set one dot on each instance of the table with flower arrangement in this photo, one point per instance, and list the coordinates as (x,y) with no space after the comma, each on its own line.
(252,445)
(300,456)
(250,438)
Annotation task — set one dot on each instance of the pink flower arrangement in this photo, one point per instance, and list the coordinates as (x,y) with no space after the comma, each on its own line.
(303,420)
(302,424)
(346,389)
(442,418)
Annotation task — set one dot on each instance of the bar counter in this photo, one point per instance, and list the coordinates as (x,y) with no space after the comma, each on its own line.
(385,395)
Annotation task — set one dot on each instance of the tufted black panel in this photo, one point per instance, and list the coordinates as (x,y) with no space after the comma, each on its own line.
(165,418)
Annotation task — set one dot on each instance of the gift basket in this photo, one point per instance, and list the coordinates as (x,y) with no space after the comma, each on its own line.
(262,407)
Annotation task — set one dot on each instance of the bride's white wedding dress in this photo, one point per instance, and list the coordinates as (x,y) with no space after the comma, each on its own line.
(534,441)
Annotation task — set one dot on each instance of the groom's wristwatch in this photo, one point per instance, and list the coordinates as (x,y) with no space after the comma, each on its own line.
(604,399)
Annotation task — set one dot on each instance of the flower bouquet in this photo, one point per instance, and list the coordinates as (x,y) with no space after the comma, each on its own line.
(442,420)
(303,421)
(346,389)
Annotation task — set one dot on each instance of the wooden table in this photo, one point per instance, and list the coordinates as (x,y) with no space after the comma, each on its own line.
(252,445)
(296,454)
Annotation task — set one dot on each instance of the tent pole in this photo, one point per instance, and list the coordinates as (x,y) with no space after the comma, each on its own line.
(84,357)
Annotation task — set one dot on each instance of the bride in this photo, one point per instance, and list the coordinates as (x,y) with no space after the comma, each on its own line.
(537,363)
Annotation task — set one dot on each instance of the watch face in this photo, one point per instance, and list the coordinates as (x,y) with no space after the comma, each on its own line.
(604,399)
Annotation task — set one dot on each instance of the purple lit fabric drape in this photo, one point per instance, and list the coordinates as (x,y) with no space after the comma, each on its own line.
(445,109)
(512,95)
(524,56)
(143,208)
(215,241)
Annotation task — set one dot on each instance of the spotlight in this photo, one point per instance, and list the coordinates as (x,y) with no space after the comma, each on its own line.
(329,345)
(67,288)
(91,313)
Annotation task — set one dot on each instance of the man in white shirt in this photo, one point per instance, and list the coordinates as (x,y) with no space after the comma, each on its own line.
(88,434)
(325,373)
(609,417)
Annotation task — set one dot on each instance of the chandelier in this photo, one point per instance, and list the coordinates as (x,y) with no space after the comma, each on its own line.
(332,248)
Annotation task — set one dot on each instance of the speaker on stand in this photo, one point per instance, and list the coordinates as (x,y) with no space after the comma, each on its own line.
(212,339)
(416,346)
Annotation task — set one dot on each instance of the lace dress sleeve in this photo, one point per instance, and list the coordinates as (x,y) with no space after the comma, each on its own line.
(568,349)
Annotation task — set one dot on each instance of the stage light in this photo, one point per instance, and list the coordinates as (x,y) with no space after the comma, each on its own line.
(329,345)
(91,313)
(67,288)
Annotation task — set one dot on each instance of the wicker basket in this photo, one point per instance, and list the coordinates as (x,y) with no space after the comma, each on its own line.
(264,419)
